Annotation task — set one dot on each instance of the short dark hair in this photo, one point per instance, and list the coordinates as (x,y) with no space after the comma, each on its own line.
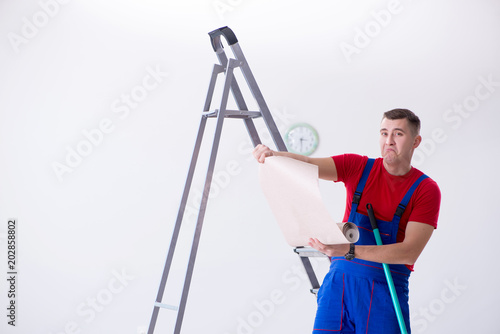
(405,113)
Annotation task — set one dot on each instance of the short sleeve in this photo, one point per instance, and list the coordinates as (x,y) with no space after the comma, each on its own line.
(426,204)
(349,167)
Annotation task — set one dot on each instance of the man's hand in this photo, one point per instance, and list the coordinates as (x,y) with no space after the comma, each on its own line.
(261,152)
(329,250)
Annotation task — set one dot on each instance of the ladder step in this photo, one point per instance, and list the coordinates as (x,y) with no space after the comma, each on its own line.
(308,252)
(233,113)
(169,307)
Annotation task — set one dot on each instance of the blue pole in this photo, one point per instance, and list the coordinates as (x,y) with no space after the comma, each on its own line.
(387,272)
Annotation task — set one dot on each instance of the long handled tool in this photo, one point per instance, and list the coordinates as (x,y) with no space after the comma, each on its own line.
(390,283)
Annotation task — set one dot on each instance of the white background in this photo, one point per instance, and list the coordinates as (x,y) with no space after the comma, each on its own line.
(112,215)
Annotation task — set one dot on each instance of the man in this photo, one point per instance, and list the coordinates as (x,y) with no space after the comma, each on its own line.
(354,296)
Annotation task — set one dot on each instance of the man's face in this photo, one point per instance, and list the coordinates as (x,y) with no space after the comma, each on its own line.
(397,141)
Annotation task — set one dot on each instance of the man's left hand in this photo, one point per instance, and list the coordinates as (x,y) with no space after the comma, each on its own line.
(329,250)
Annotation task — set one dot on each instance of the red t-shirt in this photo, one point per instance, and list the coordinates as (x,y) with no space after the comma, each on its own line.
(385,191)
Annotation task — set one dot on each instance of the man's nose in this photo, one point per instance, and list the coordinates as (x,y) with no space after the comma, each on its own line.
(389,140)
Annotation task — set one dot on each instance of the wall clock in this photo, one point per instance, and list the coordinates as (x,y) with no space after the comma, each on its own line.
(302,138)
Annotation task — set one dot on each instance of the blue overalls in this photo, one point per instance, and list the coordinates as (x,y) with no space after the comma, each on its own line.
(354,296)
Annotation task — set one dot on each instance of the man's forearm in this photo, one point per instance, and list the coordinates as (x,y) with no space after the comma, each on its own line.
(397,253)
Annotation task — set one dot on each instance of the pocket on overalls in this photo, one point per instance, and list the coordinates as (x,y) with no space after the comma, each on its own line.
(386,237)
(330,303)
(388,232)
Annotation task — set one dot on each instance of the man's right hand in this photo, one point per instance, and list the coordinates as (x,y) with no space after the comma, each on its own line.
(261,152)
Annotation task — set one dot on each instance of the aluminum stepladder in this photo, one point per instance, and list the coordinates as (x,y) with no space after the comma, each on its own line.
(227,67)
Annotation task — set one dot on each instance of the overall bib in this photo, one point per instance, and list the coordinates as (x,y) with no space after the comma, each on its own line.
(354,296)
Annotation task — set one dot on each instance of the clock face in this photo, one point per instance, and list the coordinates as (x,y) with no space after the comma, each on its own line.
(302,139)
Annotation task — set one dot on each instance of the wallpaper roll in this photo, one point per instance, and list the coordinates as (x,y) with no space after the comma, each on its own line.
(291,189)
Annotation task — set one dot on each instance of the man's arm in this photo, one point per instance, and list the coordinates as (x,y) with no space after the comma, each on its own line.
(326,166)
(407,252)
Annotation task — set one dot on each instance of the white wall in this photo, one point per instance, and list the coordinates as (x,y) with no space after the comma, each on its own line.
(91,243)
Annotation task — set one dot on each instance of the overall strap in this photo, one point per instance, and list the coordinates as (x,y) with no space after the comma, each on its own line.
(402,206)
(359,189)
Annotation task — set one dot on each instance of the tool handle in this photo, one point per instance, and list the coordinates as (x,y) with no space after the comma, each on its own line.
(387,271)
(395,300)
(371,215)
(224,31)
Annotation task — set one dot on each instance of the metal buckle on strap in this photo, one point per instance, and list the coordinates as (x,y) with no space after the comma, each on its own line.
(356,198)
(400,210)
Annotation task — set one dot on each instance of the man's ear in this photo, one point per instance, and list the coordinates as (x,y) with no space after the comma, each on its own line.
(418,140)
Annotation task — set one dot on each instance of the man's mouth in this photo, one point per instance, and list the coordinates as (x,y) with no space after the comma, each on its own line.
(387,150)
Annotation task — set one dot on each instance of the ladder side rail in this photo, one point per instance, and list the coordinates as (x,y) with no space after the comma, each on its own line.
(240,101)
(206,191)
(310,272)
(235,88)
(175,234)
(211,86)
(252,132)
(257,94)
(178,222)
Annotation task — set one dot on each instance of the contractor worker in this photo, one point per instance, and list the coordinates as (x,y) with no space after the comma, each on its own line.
(354,296)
